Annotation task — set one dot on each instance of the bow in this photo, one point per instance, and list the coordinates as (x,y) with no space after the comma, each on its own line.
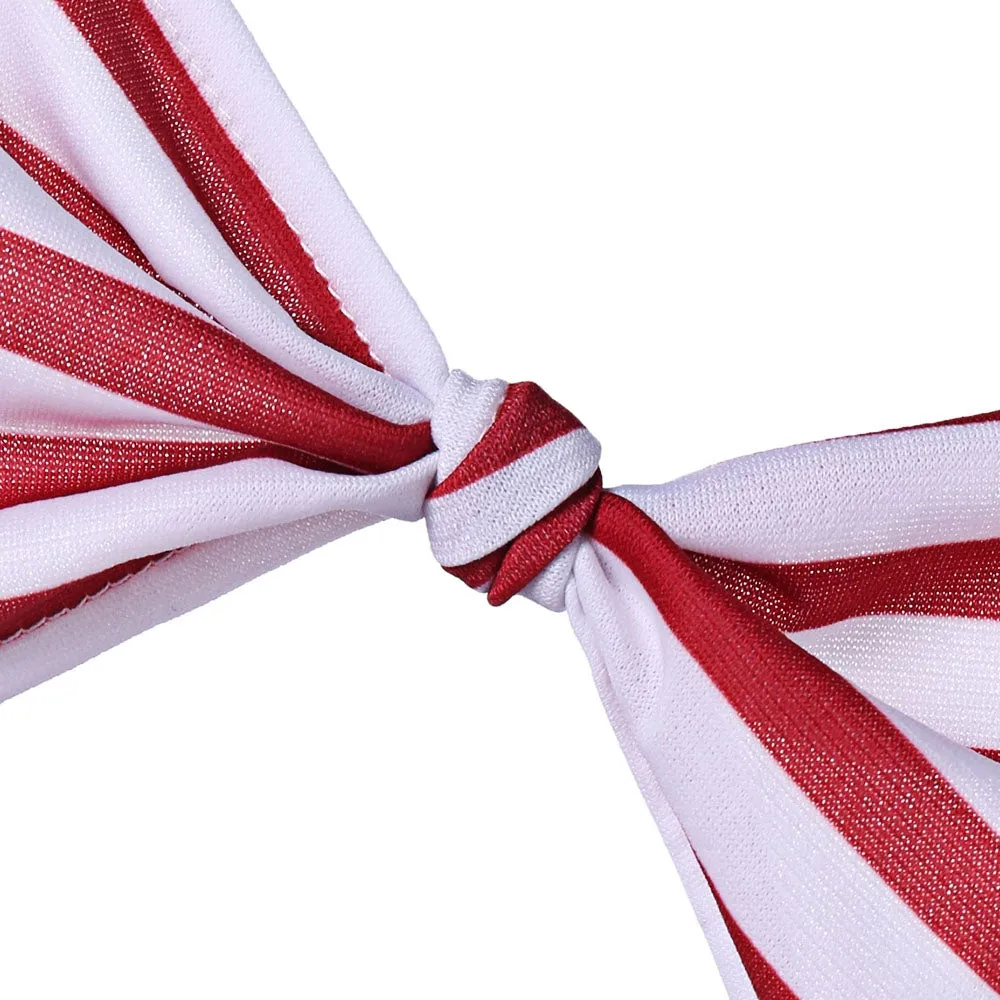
(207,367)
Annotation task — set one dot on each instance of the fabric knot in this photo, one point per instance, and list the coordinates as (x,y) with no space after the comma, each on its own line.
(517,482)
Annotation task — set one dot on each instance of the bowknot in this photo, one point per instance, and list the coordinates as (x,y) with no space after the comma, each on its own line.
(517,482)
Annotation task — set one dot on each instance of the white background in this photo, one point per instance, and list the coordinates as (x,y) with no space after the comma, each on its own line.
(707,228)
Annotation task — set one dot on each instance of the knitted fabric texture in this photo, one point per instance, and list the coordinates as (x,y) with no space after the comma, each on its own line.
(207,368)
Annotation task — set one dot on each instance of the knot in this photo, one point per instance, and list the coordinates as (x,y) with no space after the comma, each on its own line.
(518,480)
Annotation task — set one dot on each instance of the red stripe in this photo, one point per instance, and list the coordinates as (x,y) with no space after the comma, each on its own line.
(886,799)
(480,571)
(65,189)
(527,419)
(960,579)
(80,321)
(40,468)
(767,984)
(136,53)
(992,754)
(21,613)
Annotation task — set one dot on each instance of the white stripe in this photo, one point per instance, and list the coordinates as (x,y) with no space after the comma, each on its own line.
(50,542)
(153,433)
(975,777)
(30,392)
(186,580)
(814,908)
(27,210)
(943,671)
(589,629)
(245,96)
(60,97)
(479,518)
(838,498)
(464,411)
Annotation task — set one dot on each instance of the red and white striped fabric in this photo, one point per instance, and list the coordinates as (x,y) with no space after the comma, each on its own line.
(207,367)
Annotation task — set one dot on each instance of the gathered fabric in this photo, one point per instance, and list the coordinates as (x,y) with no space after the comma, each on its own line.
(208,368)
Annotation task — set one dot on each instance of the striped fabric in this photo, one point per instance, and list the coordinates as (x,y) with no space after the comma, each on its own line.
(207,368)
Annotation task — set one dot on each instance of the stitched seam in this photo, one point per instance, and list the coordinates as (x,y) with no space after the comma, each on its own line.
(217,105)
(113,584)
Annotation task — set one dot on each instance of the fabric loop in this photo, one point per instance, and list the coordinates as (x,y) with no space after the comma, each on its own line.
(518,481)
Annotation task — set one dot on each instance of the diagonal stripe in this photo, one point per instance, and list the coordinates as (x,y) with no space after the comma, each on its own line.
(181,240)
(940,671)
(467,524)
(20,614)
(527,419)
(960,579)
(534,549)
(34,467)
(75,319)
(244,94)
(767,984)
(70,194)
(133,48)
(36,395)
(884,797)
(512,567)
(825,919)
